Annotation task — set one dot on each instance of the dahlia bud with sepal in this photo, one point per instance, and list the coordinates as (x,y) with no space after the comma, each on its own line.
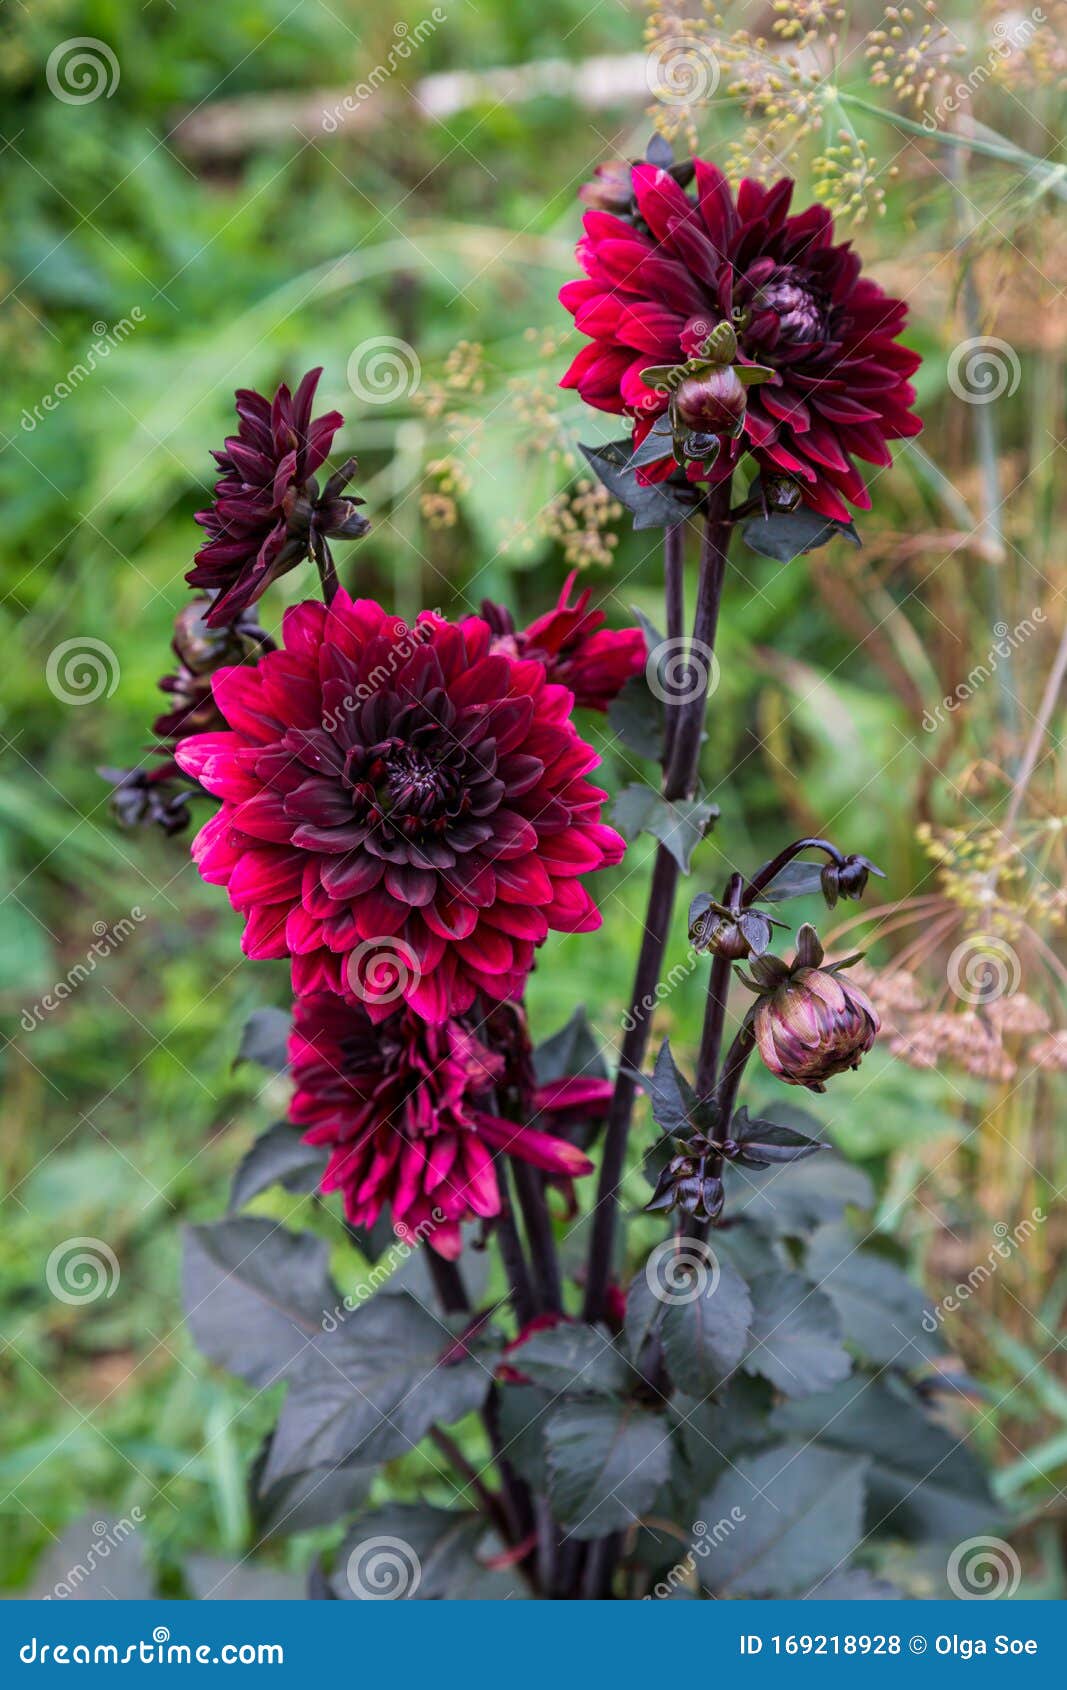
(809,1022)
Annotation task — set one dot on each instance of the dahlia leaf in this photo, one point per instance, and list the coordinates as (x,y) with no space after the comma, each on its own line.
(278,1157)
(791,1201)
(853,1584)
(705,1328)
(265,1039)
(763,1142)
(573,1360)
(316,1497)
(372,1387)
(796,880)
(572,1050)
(797,1512)
(924,1483)
(882,1311)
(522,1412)
(635,714)
(785,535)
(255,1295)
(674,1102)
(412,1551)
(606,1464)
(679,824)
(796,1336)
(659,506)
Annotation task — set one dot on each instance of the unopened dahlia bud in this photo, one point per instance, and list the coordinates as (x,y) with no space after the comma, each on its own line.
(712,402)
(732,935)
(611,188)
(847,879)
(809,1022)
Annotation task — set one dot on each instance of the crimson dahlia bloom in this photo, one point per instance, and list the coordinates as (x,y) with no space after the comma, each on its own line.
(797,302)
(268,515)
(577,650)
(406,1108)
(405,813)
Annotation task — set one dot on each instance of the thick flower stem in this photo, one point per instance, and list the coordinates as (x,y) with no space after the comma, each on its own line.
(327,572)
(530,1186)
(674,601)
(679,778)
(523,1299)
(714,1021)
(448,1283)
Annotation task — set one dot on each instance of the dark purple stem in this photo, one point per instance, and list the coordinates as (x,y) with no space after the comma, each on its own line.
(769,872)
(678,782)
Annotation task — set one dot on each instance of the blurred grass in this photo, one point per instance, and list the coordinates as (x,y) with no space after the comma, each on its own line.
(121,1115)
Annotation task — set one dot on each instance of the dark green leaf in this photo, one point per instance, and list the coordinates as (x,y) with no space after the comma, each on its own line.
(796,1336)
(644,1312)
(766,1142)
(680,825)
(302,1501)
(372,1389)
(854,1584)
(575,1049)
(278,1157)
(799,1196)
(414,1552)
(796,1514)
(705,1334)
(211,1578)
(923,1482)
(881,1309)
(606,1463)
(255,1295)
(522,1415)
(659,506)
(578,1360)
(674,1102)
(636,715)
(265,1039)
(784,535)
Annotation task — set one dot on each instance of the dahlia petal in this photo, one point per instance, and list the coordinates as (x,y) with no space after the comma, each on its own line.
(554,1155)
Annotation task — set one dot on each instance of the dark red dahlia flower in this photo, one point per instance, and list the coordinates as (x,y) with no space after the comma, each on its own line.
(576,649)
(406,1108)
(405,813)
(268,515)
(797,303)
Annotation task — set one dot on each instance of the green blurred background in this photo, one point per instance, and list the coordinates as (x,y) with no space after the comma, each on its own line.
(245,243)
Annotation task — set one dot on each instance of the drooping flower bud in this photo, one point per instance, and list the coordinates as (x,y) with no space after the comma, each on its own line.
(810,1023)
(847,879)
(731,934)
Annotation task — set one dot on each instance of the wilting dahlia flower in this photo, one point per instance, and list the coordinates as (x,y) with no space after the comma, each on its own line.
(406,1108)
(268,515)
(405,813)
(658,287)
(576,649)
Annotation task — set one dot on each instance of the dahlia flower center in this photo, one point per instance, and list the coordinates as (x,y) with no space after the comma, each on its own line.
(802,311)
